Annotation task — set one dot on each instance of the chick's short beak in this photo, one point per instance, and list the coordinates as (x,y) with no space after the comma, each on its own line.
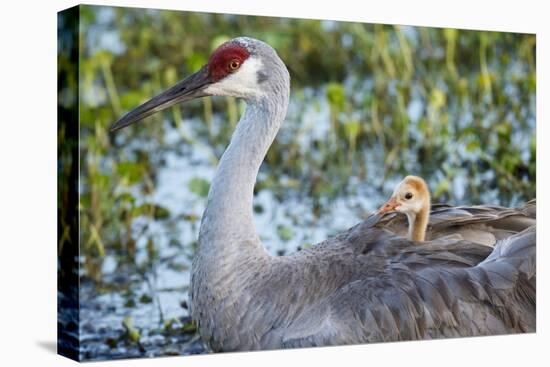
(391,205)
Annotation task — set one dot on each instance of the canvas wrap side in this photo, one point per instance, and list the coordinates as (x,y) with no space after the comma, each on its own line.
(68,343)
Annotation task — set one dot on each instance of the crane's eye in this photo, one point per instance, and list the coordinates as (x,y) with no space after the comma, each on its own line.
(408,196)
(234,64)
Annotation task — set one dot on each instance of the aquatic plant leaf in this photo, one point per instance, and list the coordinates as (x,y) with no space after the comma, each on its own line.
(199,186)
(285,233)
(132,333)
(132,172)
(336,95)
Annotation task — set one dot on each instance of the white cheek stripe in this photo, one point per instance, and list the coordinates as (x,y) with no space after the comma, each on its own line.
(243,83)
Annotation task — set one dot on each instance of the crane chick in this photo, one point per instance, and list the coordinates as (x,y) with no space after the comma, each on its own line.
(412,197)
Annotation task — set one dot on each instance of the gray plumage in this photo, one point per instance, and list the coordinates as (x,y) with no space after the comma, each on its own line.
(368,284)
(482,224)
(474,276)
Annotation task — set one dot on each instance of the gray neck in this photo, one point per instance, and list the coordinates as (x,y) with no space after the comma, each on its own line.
(229,249)
(228,223)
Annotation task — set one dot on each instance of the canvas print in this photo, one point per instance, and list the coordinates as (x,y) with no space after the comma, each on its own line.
(237,183)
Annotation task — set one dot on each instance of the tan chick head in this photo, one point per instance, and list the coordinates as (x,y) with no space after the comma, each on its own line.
(411,196)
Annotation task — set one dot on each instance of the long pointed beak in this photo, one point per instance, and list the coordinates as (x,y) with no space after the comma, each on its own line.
(389,206)
(190,88)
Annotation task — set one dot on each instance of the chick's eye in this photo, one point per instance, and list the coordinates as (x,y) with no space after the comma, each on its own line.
(234,65)
(408,196)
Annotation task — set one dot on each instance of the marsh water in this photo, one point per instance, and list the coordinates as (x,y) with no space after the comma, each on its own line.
(369,105)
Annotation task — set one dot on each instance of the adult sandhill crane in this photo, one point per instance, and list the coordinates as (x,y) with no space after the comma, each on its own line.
(367,284)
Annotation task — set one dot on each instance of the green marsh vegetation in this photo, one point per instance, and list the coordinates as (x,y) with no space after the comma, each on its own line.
(369,104)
